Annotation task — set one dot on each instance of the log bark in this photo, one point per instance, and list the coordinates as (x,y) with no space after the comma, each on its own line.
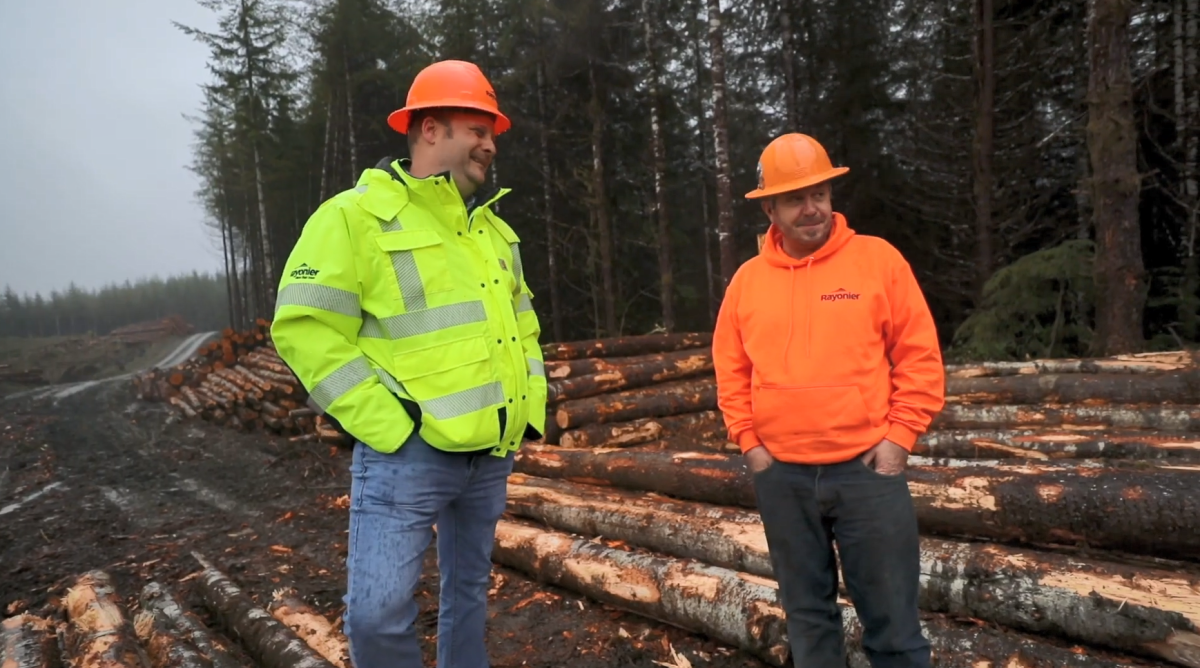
(164,644)
(672,366)
(28,642)
(730,607)
(705,425)
(313,627)
(698,476)
(1148,612)
(1177,387)
(157,599)
(1138,363)
(1058,444)
(100,635)
(1151,510)
(559,370)
(1164,418)
(667,399)
(270,643)
(625,346)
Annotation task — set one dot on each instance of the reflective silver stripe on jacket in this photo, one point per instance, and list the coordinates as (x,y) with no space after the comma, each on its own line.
(536,368)
(517,268)
(342,380)
(422,322)
(464,402)
(523,303)
(312,295)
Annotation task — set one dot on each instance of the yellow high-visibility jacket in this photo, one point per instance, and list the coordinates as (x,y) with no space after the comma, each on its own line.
(398,304)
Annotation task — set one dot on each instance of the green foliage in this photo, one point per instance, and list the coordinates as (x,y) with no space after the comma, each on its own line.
(201,299)
(1038,306)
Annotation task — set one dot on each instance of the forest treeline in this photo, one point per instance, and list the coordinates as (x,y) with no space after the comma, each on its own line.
(200,298)
(1035,160)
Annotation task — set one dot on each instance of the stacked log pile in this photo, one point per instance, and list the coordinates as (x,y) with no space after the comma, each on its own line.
(152,330)
(1056,500)
(92,627)
(239,381)
(20,376)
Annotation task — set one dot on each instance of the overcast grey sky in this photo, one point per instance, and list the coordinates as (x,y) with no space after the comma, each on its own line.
(94,148)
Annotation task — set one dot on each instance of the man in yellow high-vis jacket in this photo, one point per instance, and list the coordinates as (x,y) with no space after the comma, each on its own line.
(404,311)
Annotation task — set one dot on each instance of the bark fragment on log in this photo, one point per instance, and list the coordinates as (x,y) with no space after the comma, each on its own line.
(1059,444)
(270,643)
(672,366)
(663,400)
(625,346)
(1148,612)
(100,635)
(704,425)
(28,642)
(1152,511)
(1178,387)
(313,627)
(1163,418)
(1140,363)
(157,599)
(728,606)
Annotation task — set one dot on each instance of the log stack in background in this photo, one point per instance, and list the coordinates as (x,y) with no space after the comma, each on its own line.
(239,381)
(1057,502)
(152,330)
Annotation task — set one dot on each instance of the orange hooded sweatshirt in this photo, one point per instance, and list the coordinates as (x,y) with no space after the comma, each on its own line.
(822,358)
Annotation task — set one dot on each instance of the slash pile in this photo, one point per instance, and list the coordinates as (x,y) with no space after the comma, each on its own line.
(1056,501)
(240,382)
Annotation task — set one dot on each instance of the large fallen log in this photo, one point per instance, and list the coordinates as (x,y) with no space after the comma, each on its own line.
(158,600)
(100,635)
(28,642)
(699,476)
(1152,613)
(268,641)
(625,346)
(672,366)
(1140,363)
(1151,510)
(705,425)
(313,627)
(1164,418)
(1041,444)
(1177,387)
(730,607)
(667,399)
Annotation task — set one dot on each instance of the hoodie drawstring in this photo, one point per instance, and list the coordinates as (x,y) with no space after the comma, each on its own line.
(808,307)
(791,307)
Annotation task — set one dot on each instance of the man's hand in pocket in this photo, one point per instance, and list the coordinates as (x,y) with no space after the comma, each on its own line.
(758,459)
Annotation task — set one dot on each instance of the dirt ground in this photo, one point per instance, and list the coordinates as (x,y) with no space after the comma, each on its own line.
(124,489)
(71,359)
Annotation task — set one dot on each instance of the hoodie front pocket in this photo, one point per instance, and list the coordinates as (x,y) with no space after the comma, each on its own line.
(785,414)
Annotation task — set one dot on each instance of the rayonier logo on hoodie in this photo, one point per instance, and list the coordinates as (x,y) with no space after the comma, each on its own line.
(841,294)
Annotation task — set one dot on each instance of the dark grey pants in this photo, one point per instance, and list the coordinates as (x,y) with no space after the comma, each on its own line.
(805,509)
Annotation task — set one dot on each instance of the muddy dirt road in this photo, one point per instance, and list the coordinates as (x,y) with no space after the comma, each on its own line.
(98,480)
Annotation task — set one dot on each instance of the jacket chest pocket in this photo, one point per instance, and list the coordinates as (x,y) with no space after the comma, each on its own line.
(421,265)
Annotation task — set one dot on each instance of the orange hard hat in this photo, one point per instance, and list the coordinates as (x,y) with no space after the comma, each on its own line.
(449,83)
(792,162)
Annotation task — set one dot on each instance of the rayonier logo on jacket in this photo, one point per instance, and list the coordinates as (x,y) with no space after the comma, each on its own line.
(841,294)
(305,272)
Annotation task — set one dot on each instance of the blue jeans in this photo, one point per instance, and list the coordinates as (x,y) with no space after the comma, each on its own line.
(395,499)
(805,510)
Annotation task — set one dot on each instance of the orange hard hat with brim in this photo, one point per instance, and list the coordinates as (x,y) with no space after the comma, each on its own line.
(449,83)
(792,162)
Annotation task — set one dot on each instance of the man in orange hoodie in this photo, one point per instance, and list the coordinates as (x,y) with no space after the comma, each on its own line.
(828,369)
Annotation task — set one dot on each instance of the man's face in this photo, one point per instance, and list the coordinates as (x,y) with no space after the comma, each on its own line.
(804,217)
(466,148)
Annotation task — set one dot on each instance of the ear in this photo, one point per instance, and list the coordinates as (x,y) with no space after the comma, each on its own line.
(430,129)
(768,205)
